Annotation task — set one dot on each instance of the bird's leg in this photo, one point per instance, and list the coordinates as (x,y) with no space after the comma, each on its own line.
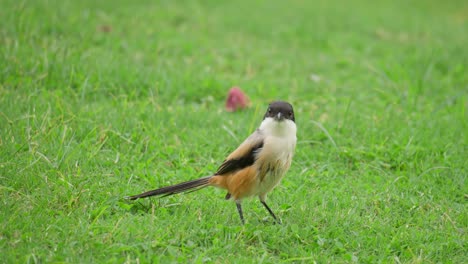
(271,212)
(239,209)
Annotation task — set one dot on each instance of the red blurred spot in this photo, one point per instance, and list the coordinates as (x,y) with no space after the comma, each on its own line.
(236,100)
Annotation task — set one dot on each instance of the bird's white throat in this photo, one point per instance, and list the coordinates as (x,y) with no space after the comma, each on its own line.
(285,128)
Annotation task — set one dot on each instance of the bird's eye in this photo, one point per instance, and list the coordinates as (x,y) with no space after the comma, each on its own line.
(269,110)
(290,114)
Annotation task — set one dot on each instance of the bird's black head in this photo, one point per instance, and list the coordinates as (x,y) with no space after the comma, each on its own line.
(280,110)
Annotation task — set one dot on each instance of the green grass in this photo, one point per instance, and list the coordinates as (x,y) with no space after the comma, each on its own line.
(108,99)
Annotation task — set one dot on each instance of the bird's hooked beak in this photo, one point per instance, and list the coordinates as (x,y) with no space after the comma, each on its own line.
(279,117)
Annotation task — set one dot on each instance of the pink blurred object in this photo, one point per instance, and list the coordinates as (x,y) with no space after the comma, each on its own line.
(236,100)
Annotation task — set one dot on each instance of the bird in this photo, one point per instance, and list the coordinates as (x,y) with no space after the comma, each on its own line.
(255,167)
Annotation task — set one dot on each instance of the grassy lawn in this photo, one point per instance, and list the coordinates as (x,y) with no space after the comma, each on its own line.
(103,99)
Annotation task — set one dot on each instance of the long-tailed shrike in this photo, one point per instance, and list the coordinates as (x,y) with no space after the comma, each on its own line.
(255,167)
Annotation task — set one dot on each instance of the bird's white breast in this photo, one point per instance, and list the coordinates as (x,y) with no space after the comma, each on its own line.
(277,152)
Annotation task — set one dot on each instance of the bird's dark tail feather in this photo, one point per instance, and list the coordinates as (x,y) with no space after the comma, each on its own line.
(192,185)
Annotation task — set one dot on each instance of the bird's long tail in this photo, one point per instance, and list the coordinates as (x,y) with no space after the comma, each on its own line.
(192,185)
